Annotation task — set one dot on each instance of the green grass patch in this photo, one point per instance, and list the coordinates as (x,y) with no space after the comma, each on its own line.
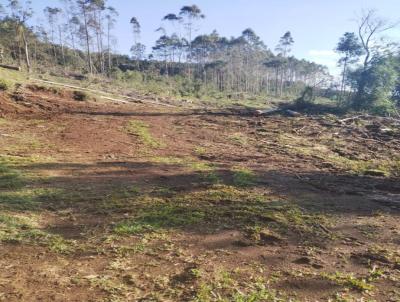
(239,139)
(373,167)
(9,177)
(215,207)
(243,177)
(25,230)
(225,286)
(142,130)
(349,281)
(189,162)
(27,198)
(160,216)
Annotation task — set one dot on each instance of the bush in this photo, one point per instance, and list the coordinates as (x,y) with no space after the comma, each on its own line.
(4,85)
(80,96)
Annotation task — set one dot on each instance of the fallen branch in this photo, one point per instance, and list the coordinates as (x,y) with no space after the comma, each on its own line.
(134,100)
(17,68)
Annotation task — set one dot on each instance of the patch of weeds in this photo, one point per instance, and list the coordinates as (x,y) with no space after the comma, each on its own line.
(9,178)
(109,285)
(197,273)
(170,160)
(300,145)
(375,273)
(162,192)
(27,199)
(142,131)
(225,287)
(4,86)
(160,216)
(217,206)
(262,235)
(349,281)
(243,177)
(211,177)
(25,229)
(118,203)
(200,166)
(346,297)
(200,151)
(239,139)
(184,161)
(126,250)
(377,253)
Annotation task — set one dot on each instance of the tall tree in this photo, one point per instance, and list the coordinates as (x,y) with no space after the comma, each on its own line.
(190,15)
(21,12)
(137,49)
(110,17)
(52,14)
(284,48)
(84,7)
(370,28)
(350,48)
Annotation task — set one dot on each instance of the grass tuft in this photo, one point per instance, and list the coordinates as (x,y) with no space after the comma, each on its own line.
(243,177)
(141,130)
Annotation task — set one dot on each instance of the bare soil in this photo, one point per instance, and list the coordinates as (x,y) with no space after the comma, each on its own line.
(225,206)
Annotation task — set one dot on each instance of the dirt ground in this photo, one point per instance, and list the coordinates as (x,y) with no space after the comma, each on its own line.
(131,202)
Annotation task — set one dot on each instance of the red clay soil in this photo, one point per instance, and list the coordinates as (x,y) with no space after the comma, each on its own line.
(342,177)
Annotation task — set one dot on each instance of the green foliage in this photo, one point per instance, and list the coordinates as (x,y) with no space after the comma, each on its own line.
(243,177)
(25,229)
(160,216)
(4,85)
(348,280)
(380,79)
(224,287)
(9,178)
(378,82)
(141,130)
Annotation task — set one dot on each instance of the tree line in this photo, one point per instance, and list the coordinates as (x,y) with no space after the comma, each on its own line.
(77,35)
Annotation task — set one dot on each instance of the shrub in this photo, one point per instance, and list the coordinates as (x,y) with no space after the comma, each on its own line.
(4,85)
(80,96)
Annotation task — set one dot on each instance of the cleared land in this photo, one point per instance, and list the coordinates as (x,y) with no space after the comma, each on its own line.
(131,202)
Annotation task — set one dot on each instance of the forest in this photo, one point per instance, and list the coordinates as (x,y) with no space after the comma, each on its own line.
(206,65)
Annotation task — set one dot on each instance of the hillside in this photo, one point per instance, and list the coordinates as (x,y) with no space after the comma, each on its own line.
(127,201)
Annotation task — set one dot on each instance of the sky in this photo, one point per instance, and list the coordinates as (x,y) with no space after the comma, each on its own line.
(316,25)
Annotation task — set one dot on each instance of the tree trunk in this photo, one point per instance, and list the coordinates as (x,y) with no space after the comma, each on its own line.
(26,49)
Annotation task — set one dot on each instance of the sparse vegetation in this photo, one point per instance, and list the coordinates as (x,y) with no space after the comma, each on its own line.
(243,177)
(80,96)
(4,86)
(141,130)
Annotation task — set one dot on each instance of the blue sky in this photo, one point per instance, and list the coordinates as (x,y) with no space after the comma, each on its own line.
(316,25)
